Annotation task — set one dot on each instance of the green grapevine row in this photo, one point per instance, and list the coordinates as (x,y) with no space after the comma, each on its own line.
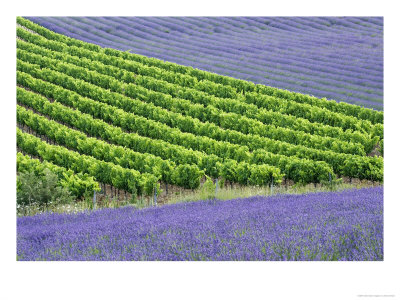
(313,114)
(302,110)
(105,172)
(214,83)
(126,158)
(105,131)
(296,169)
(343,164)
(375,117)
(129,105)
(208,113)
(179,106)
(78,184)
(240,86)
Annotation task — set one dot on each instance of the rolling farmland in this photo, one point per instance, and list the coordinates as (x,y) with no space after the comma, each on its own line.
(127,125)
(336,58)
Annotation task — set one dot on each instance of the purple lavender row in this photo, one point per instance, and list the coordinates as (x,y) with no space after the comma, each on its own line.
(290,69)
(227,40)
(284,83)
(283,64)
(275,35)
(332,24)
(313,23)
(122,28)
(302,32)
(351,93)
(357,94)
(147,37)
(252,25)
(137,18)
(344,225)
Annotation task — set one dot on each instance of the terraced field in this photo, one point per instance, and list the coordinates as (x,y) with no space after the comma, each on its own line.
(338,58)
(134,122)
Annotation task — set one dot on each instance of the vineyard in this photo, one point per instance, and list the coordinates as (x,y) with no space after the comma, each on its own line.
(102,117)
(338,58)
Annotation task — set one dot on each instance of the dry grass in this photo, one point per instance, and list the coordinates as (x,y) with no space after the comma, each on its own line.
(181,195)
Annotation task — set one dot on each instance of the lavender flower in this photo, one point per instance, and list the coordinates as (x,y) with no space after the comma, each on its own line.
(337,58)
(344,225)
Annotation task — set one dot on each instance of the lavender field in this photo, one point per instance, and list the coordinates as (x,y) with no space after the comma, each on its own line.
(338,58)
(344,225)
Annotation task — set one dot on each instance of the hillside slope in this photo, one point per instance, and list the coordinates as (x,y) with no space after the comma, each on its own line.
(338,58)
(132,122)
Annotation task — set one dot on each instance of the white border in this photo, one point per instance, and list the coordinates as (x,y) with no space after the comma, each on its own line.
(187,280)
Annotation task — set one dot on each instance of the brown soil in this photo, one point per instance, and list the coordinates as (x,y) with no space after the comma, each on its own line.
(375,151)
(27,29)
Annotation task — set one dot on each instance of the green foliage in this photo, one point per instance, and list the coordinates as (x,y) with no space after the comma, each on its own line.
(221,183)
(187,176)
(332,184)
(100,170)
(244,127)
(263,176)
(211,163)
(208,189)
(213,106)
(101,150)
(157,130)
(77,184)
(195,122)
(150,183)
(88,200)
(41,189)
(217,85)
